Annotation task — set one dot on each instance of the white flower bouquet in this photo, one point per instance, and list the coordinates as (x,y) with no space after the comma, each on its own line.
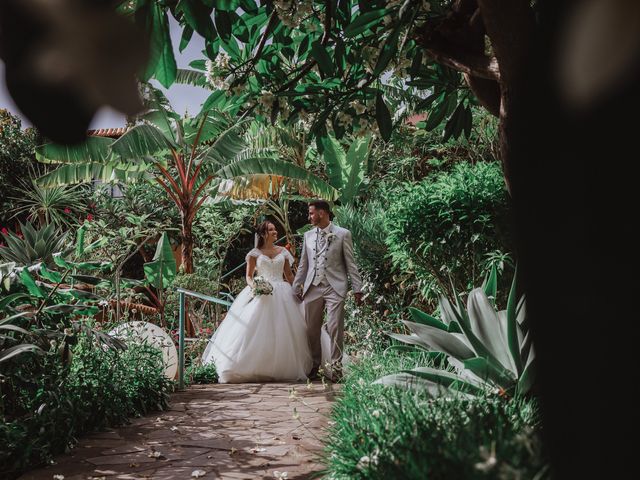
(261,287)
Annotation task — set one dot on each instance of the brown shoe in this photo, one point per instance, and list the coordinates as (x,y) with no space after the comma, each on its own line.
(313,374)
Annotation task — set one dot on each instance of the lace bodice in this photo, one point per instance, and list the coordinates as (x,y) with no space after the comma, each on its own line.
(272,269)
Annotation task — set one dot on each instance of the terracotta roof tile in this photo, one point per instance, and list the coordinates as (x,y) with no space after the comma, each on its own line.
(108,132)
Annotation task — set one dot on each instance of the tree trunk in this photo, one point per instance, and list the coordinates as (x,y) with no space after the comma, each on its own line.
(187,262)
(187,242)
(574,239)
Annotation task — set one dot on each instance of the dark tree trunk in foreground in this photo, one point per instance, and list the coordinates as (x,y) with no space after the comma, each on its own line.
(575,211)
(576,208)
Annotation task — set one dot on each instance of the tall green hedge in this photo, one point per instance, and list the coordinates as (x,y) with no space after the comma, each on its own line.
(443,227)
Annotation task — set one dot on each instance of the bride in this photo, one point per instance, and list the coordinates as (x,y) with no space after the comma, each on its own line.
(263,338)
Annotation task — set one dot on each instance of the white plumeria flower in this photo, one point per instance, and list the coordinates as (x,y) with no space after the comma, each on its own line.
(198,473)
(222,61)
(278,474)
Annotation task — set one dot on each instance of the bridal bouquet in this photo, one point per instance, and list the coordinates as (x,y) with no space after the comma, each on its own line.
(261,287)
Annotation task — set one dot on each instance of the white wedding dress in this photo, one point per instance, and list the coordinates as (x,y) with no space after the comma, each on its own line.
(263,338)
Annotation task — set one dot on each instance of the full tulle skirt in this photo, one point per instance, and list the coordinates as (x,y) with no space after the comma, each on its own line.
(262,339)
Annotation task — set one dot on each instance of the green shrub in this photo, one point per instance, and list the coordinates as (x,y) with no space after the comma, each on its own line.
(47,403)
(216,228)
(366,223)
(384,433)
(17,158)
(442,228)
(201,374)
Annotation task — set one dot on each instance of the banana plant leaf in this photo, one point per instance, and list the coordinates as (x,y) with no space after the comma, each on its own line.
(273,166)
(94,149)
(161,271)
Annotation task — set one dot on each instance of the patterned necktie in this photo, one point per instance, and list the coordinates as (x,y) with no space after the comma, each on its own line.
(322,240)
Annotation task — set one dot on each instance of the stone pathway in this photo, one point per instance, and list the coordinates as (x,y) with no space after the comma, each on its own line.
(211,431)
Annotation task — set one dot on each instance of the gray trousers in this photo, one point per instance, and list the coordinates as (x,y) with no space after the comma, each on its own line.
(315,300)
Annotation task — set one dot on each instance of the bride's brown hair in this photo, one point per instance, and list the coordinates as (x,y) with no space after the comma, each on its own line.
(261,231)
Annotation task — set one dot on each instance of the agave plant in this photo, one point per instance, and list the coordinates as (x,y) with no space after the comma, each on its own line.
(486,348)
(50,205)
(35,245)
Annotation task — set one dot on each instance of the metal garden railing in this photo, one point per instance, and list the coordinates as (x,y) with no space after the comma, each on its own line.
(183,293)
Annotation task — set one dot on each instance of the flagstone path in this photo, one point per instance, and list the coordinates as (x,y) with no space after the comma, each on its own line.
(212,432)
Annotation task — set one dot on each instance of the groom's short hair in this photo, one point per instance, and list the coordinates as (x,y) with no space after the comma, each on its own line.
(322,205)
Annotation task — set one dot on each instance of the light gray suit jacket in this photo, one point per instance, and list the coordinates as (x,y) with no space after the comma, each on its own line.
(339,262)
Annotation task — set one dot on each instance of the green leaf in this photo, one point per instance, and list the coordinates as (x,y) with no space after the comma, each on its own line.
(29,282)
(389,50)
(453,128)
(166,67)
(488,371)
(320,54)
(214,100)
(435,116)
(97,149)
(383,118)
(335,160)
(71,174)
(527,379)
(248,6)
(17,350)
(354,169)
(162,270)
(191,77)
(187,33)
(467,122)
(150,18)
(53,277)
(446,379)
(425,319)
(80,240)
(9,299)
(228,5)
(491,285)
(197,15)
(223,24)
(512,325)
(142,142)
(440,340)
(198,65)
(61,262)
(364,21)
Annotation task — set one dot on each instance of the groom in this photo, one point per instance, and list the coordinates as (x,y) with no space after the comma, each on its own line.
(321,281)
